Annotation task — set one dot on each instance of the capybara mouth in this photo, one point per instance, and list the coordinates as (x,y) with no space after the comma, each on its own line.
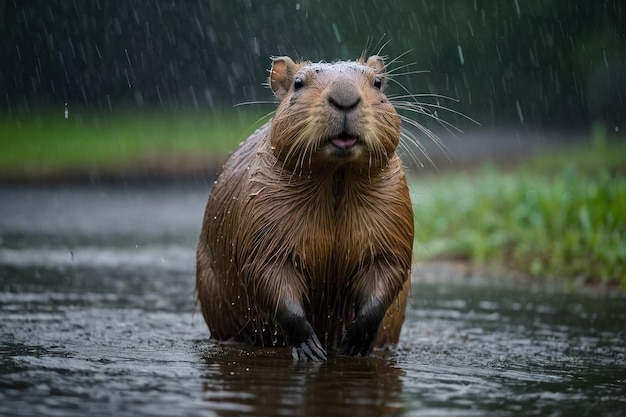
(344,141)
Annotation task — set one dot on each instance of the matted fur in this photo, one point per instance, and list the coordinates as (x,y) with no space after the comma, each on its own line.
(294,218)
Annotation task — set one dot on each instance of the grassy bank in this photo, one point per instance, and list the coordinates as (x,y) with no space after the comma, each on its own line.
(37,147)
(561,214)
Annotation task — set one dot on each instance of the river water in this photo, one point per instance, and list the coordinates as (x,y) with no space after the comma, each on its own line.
(97,317)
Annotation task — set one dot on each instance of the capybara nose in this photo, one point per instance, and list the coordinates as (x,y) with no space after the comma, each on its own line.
(343,94)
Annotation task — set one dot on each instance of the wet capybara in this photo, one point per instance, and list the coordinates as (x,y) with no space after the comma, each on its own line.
(308,232)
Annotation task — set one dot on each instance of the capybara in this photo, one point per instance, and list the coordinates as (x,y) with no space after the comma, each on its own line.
(308,232)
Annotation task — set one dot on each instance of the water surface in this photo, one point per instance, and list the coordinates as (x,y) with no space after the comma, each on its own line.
(97,317)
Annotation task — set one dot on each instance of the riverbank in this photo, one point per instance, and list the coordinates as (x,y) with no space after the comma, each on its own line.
(127,147)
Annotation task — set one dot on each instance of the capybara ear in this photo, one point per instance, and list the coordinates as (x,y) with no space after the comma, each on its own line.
(281,75)
(378,65)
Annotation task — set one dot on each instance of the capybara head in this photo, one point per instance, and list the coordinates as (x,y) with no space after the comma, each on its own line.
(332,114)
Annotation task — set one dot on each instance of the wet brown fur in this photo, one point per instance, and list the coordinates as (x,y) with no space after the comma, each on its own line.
(293,218)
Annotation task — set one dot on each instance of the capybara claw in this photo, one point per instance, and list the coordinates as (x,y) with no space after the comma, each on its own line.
(309,350)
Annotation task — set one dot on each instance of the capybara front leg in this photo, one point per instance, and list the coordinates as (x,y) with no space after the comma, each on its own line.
(361,333)
(305,346)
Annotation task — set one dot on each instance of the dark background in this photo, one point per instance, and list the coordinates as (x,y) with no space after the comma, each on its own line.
(547,64)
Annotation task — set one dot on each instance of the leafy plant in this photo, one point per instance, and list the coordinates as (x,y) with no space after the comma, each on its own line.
(559,221)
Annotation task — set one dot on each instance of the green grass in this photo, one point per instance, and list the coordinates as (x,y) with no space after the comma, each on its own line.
(558,215)
(44,145)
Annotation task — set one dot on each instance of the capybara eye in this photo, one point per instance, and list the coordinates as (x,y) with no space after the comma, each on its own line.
(298,83)
(378,82)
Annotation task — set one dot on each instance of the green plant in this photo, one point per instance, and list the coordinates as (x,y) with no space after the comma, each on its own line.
(562,221)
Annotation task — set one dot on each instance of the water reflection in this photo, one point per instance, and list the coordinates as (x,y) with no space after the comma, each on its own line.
(268,382)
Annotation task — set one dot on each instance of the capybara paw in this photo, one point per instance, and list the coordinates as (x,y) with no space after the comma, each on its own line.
(361,333)
(355,344)
(309,350)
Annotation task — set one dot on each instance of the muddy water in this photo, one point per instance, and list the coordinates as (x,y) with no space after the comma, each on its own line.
(97,318)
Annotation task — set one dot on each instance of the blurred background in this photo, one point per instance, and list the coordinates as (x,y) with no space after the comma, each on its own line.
(153,85)
(547,64)
(98,91)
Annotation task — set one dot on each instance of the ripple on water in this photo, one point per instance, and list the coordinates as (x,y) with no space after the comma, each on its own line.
(97,318)
(547,357)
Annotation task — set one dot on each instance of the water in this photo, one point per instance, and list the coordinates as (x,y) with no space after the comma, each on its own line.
(97,317)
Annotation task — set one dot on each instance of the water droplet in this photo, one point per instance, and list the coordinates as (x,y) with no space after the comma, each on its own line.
(517,8)
(519,112)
